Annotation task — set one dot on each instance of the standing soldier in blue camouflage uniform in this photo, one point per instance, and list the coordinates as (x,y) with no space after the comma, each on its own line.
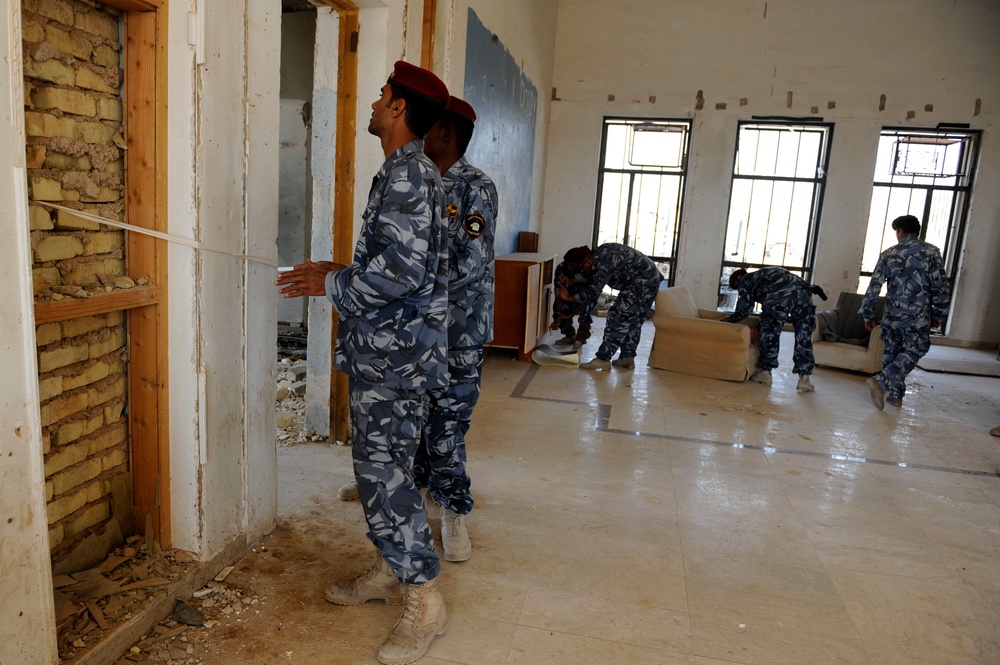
(563,311)
(637,280)
(392,343)
(471,209)
(917,297)
(781,295)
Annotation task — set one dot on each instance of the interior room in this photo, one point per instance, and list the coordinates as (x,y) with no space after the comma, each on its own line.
(168,157)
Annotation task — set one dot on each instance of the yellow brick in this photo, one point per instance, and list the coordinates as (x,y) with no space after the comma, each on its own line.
(109,109)
(57,10)
(62,407)
(40,218)
(70,432)
(57,248)
(51,71)
(94,424)
(98,489)
(95,132)
(83,325)
(47,333)
(117,166)
(106,56)
(102,243)
(43,278)
(89,518)
(46,443)
(67,220)
(114,390)
(76,475)
(92,374)
(28,87)
(61,162)
(48,490)
(55,536)
(113,459)
(48,125)
(49,388)
(56,358)
(108,437)
(115,319)
(98,23)
(88,78)
(67,101)
(104,195)
(66,457)
(113,413)
(65,505)
(46,189)
(35,155)
(78,47)
(115,340)
(85,274)
(31,31)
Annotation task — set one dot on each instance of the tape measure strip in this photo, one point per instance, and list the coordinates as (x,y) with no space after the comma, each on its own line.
(159,234)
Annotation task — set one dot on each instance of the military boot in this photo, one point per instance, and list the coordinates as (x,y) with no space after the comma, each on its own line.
(348,491)
(424,618)
(805,384)
(624,362)
(378,583)
(454,536)
(567,340)
(762,376)
(596,363)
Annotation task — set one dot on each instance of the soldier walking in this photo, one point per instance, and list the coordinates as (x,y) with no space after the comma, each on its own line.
(392,343)
(637,280)
(917,297)
(781,295)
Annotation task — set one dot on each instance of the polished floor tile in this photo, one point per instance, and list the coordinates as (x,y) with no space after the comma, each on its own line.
(652,518)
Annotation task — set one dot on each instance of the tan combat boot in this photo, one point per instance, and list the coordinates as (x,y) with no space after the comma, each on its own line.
(348,491)
(378,583)
(454,536)
(424,618)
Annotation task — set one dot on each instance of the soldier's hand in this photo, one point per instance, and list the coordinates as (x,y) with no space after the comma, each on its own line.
(306,279)
(563,292)
(870,325)
(937,324)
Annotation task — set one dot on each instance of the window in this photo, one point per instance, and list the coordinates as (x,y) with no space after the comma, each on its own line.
(778,179)
(928,174)
(640,186)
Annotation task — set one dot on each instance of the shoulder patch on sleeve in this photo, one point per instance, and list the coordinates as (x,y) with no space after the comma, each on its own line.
(452,210)
(475,225)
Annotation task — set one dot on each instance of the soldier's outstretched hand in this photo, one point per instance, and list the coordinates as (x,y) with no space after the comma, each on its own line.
(306,279)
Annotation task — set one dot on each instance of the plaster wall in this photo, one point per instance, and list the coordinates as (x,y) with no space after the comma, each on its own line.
(26,610)
(527,29)
(934,62)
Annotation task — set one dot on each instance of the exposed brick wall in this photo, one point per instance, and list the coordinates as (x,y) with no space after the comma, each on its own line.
(73,121)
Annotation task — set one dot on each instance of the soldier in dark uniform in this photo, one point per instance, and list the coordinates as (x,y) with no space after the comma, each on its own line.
(392,304)
(781,295)
(637,280)
(917,297)
(564,311)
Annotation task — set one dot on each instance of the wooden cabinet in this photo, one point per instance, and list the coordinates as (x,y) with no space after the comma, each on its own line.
(523,300)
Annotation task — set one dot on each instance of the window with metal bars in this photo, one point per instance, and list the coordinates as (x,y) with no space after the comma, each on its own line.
(640,186)
(927,173)
(779,175)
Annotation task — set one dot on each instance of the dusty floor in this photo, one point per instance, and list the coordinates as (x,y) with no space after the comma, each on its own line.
(648,517)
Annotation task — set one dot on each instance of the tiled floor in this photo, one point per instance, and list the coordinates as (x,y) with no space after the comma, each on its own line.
(648,517)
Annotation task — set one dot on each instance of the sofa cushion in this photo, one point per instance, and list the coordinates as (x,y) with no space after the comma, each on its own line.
(676,301)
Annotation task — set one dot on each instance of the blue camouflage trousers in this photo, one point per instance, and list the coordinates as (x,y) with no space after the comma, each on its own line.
(803,314)
(584,318)
(439,464)
(625,319)
(904,346)
(386,432)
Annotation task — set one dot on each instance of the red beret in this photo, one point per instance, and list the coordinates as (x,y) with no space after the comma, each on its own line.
(577,255)
(421,81)
(461,108)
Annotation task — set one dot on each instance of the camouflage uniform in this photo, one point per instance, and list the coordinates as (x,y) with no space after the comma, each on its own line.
(392,344)
(637,280)
(917,293)
(563,307)
(781,295)
(471,207)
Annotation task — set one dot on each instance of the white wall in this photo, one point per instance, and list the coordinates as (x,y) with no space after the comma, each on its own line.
(849,53)
(527,28)
(27,615)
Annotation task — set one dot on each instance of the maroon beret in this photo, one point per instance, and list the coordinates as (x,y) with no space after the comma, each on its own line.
(421,81)
(577,255)
(461,108)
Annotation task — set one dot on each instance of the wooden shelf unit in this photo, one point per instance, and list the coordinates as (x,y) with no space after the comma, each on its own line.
(523,300)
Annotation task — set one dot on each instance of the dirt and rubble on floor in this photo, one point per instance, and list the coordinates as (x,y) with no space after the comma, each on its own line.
(90,604)
(290,394)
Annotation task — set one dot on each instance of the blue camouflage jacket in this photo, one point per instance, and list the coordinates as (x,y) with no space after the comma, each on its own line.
(471,210)
(773,287)
(393,299)
(620,267)
(917,290)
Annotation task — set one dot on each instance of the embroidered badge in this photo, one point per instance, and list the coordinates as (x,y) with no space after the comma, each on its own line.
(452,210)
(475,225)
